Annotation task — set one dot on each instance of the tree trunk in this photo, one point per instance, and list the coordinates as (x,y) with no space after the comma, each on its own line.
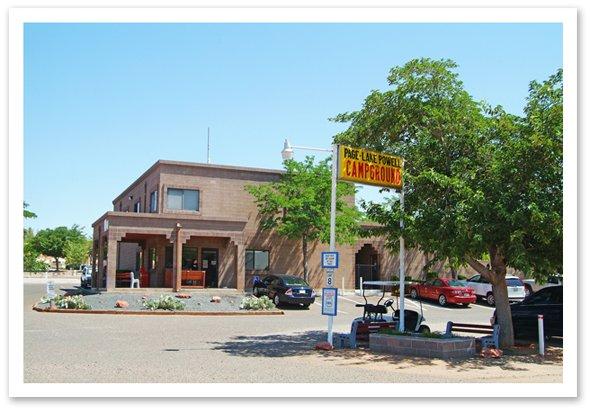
(304,258)
(56,264)
(453,272)
(497,277)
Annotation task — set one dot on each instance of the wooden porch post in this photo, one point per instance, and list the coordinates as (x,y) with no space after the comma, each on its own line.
(177,256)
(111,261)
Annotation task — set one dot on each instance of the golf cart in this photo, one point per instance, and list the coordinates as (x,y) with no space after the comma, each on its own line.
(375,316)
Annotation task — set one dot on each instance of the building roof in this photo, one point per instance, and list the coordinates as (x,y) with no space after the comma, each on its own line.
(194,165)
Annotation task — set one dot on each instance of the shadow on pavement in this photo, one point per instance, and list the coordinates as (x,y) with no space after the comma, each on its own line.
(303,344)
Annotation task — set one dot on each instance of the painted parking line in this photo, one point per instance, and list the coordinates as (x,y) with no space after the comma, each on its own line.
(339,311)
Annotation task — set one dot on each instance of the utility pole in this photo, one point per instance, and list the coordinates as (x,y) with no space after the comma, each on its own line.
(208,147)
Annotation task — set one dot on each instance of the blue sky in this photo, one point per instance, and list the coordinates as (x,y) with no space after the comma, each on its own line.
(103,102)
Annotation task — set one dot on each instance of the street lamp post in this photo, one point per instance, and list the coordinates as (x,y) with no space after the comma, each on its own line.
(287,154)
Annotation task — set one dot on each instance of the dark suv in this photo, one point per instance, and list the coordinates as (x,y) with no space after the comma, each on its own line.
(285,289)
(547,302)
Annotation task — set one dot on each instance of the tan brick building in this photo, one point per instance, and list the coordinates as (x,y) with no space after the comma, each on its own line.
(184,225)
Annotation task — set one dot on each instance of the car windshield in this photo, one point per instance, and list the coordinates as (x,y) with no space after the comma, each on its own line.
(514,282)
(459,283)
(294,281)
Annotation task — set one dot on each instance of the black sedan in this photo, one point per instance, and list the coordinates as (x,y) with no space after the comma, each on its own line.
(547,302)
(285,289)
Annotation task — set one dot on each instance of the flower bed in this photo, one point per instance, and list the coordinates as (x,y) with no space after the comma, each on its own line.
(439,346)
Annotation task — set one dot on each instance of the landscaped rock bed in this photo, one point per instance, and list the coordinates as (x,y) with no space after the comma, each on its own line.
(198,302)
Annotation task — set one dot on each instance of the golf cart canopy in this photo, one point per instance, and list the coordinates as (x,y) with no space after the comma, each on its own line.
(385,282)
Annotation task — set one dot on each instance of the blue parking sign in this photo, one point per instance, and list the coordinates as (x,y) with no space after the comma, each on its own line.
(329,260)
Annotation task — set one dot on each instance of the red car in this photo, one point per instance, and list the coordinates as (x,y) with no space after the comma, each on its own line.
(444,291)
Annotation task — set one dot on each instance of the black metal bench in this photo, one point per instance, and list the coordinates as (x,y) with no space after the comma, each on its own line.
(492,333)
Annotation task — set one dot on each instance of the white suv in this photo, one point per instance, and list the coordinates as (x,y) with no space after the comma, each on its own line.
(483,288)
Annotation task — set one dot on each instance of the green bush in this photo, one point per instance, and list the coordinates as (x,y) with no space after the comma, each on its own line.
(67,302)
(164,302)
(461,277)
(254,303)
(431,275)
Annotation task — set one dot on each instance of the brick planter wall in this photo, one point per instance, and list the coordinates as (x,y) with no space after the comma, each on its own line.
(426,347)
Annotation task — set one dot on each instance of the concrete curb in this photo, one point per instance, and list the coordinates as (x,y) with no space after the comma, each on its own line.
(158,313)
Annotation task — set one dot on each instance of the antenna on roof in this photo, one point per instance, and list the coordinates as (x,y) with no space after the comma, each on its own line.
(208,147)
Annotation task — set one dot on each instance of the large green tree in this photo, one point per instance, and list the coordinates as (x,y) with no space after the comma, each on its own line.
(53,242)
(77,252)
(478,181)
(30,254)
(298,205)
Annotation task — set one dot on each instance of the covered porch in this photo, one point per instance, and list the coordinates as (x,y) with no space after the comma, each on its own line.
(153,252)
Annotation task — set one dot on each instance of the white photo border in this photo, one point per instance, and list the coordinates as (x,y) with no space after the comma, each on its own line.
(18,17)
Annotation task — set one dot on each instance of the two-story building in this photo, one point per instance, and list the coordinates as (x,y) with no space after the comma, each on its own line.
(184,225)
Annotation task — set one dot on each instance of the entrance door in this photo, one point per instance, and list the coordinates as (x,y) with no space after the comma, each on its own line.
(210,264)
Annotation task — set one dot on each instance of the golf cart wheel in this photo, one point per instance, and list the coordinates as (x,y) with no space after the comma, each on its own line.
(305,306)
(256,292)
(491,299)
(414,294)
(442,300)
(465,305)
(277,300)
(423,329)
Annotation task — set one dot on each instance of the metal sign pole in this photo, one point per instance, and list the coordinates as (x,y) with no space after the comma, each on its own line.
(333,223)
(402,264)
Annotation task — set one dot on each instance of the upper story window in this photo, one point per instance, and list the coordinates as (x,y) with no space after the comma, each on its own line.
(137,206)
(182,199)
(154,201)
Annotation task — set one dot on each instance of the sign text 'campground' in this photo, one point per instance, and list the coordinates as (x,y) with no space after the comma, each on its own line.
(369,168)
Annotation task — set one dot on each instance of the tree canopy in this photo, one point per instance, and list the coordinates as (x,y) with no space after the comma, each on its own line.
(298,205)
(54,242)
(477,179)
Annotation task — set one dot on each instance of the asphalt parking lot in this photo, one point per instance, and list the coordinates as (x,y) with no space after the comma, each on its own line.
(112,348)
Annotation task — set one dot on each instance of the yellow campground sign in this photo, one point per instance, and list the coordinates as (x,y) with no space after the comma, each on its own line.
(369,168)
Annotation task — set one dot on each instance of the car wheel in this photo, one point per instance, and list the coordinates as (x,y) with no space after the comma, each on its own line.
(442,300)
(465,305)
(423,329)
(256,292)
(491,299)
(277,300)
(306,306)
(414,294)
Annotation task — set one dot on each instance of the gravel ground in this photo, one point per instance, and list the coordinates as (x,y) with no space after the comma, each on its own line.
(196,303)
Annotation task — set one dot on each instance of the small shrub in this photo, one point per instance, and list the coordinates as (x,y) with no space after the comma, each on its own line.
(461,277)
(67,302)
(431,275)
(254,303)
(434,335)
(164,302)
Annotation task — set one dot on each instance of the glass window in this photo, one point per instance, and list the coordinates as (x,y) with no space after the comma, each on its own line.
(514,282)
(475,278)
(257,259)
(175,199)
(154,201)
(542,297)
(189,257)
(437,282)
(182,199)
(168,261)
(454,282)
(137,206)
(153,258)
(294,281)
